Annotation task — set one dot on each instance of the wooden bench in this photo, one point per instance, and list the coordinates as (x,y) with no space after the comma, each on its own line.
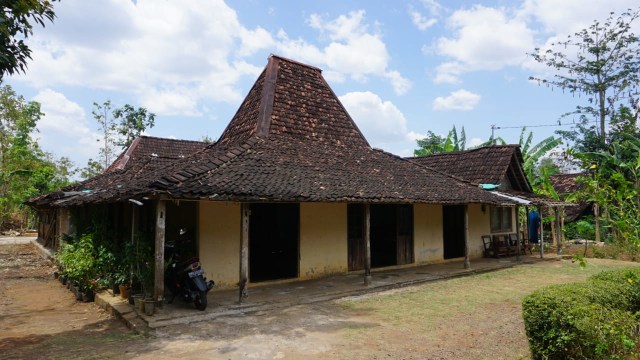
(501,245)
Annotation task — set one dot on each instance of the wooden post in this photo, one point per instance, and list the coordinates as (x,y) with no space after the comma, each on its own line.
(518,238)
(541,242)
(558,231)
(596,217)
(367,244)
(467,263)
(158,288)
(244,252)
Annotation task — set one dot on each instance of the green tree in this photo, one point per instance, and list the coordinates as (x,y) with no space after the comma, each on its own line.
(118,127)
(25,170)
(601,62)
(615,187)
(434,144)
(103,115)
(132,123)
(207,139)
(16,25)
(93,168)
(531,155)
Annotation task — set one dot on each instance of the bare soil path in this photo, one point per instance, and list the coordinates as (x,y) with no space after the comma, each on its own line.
(476,317)
(40,319)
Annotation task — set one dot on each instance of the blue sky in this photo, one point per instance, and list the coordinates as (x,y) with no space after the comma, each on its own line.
(401,68)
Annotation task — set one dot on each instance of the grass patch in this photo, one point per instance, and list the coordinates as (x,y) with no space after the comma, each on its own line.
(422,307)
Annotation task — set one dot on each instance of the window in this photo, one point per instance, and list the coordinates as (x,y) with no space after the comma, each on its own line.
(500,219)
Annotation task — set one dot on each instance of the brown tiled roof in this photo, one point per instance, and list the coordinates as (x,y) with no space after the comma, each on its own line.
(291,140)
(144,146)
(566,183)
(497,164)
(291,99)
(290,170)
(145,155)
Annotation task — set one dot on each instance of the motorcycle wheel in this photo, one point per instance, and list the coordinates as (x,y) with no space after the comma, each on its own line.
(201,300)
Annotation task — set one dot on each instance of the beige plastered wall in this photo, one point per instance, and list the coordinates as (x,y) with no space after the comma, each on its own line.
(428,232)
(219,242)
(323,239)
(479,224)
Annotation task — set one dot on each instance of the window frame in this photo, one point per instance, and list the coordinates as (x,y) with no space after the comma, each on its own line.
(503,214)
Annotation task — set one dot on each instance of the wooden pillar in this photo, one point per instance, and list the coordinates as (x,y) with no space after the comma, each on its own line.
(518,238)
(158,288)
(467,263)
(558,230)
(244,252)
(596,217)
(367,244)
(541,242)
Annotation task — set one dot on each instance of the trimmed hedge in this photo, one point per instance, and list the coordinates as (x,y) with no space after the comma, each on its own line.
(597,319)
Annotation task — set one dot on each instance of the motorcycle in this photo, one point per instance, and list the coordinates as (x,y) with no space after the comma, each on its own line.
(186,279)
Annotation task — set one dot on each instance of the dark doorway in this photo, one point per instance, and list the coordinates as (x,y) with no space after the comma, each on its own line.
(453,231)
(181,228)
(391,235)
(273,241)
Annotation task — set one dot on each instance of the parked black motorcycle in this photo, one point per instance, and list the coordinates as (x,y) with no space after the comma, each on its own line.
(186,279)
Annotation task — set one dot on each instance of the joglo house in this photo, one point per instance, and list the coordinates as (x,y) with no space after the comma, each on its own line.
(293,190)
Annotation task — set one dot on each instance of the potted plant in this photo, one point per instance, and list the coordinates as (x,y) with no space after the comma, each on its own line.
(149,306)
(78,260)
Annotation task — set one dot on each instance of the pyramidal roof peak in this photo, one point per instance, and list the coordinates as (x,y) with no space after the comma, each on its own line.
(292,100)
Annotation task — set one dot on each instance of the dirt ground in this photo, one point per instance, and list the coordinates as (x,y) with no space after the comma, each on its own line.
(39,318)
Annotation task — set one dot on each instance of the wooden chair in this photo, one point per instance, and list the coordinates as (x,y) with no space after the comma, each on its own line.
(513,244)
(526,245)
(500,245)
(488,246)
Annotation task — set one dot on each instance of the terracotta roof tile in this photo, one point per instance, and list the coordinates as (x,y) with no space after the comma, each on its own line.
(566,183)
(144,146)
(291,140)
(498,164)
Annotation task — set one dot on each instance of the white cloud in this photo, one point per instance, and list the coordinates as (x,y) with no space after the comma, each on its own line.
(474,142)
(420,21)
(458,100)
(569,16)
(485,39)
(353,51)
(400,84)
(412,135)
(148,47)
(434,7)
(560,20)
(448,73)
(423,22)
(63,129)
(381,122)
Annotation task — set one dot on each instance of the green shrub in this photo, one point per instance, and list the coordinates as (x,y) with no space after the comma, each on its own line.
(78,262)
(593,320)
(623,283)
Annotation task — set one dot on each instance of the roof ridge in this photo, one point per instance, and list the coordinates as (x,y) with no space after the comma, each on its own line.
(466,151)
(166,138)
(294,62)
(121,163)
(267,97)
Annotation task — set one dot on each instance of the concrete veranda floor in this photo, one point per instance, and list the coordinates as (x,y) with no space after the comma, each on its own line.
(266,296)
